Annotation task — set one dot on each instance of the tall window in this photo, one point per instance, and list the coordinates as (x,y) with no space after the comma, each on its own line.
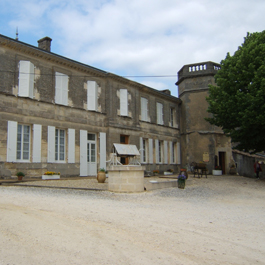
(91,147)
(26,79)
(173,155)
(23,142)
(61,88)
(159,113)
(159,151)
(59,145)
(144,109)
(145,148)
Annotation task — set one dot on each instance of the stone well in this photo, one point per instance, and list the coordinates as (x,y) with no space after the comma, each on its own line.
(127,178)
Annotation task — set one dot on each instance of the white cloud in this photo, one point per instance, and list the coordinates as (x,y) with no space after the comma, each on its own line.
(151,37)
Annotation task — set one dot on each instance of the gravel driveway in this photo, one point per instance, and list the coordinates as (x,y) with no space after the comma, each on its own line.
(219,220)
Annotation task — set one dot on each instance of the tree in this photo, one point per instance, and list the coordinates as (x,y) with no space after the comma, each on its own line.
(237,103)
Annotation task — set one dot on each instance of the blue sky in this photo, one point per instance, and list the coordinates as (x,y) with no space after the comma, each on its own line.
(145,38)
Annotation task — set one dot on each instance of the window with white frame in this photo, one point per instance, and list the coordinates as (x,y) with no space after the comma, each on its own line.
(144,109)
(144,143)
(19,141)
(23,142)
(26,79)
(59,145)
(159,113)
(61,88)
(123,102)
(92,95)
(173,153)
(144,150)
(159,151)
(57,140)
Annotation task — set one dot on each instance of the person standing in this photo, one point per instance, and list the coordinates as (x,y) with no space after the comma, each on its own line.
(257,168)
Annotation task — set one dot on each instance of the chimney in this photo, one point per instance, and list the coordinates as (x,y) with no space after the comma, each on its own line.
(166,91)
(45,44)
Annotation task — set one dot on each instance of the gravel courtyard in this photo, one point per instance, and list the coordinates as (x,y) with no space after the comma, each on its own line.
(219,220)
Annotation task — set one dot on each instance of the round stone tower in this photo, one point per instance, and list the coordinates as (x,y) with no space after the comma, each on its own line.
(200,141)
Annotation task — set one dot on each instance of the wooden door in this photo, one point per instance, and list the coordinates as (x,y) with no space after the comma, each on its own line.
(124,139)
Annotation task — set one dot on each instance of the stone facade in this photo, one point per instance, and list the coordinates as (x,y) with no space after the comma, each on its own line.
(61,115)
(126,178)
(200,139)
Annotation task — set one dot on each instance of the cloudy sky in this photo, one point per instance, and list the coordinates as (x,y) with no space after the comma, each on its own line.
(145,40)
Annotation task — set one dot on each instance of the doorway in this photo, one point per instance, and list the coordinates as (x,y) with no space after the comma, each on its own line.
(222,161)
(91,155)
(124,139)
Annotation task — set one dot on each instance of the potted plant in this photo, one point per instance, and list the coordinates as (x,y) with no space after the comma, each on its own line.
(168,172)
(51,175)
(181,180)
(156,172)
(184,170)
(217,171)
(101,177)
(20,175)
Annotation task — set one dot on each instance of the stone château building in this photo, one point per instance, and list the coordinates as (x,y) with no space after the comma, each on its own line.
(58,114)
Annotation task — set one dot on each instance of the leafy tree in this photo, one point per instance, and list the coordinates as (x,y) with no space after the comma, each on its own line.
(237,103)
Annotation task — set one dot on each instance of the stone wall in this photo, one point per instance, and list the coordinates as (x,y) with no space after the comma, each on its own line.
(126,178)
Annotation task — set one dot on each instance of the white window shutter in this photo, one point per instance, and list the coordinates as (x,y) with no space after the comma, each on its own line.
(65,80)
(157,150)
(92,95)
(171,152)
(123,102)
(144,109)
(51,144)
(83,153)
(141,150)
(26,79)
(11,155)
(165,153)
(178,153)
(36,156)
(102,150)
(58,87)
(71,145)
(31,80)
(150,143)
(162,118)
(61,88)
(159,113)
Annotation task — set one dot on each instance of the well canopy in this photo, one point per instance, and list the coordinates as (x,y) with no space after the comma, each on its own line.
(126,150)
